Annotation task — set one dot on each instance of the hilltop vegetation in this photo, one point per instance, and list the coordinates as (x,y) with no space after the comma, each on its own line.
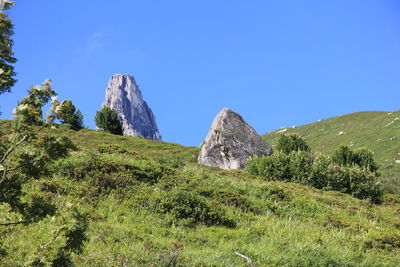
(149,203)
(378,131)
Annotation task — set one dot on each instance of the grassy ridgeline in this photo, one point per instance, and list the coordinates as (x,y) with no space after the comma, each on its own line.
(372,129)
(150,203)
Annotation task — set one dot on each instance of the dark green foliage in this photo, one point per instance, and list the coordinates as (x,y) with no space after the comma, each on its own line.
(27,157)
(108,172)
(292,142)
(107,120)
(76,235)
(27,154)
(320,172)
(293,167)
(11,191)
(7,58)
(38,208)
(62,260)
(191,209)
(66,112)
(389,242)
(354,181)
(363,158)
(111,148)
(42,150)
(229,197)
(275,194)
(24,160)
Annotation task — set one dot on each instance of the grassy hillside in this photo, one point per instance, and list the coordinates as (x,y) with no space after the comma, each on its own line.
(149,203)
(371,129)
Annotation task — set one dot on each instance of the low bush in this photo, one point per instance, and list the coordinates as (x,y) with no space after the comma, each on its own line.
(363,158)
(191,208)
(229,197)
(111,171)
(111,148)
(320,172)
(293,167)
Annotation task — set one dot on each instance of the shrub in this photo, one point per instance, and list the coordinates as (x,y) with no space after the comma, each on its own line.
(111,148)
(229,197)
(107,120)
(363,158)
(293,167)
(107,172)
(190,209)
(354,181)
(292,142)
(320,172)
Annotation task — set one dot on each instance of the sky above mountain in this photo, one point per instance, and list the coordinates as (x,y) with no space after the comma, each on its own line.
(277,63)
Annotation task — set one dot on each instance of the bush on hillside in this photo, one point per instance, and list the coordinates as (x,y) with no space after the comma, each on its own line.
(292,142)
(111,148)
(106,172)
(229,197)
(107,120)
(363,158)
(293,167)
(320,172)
(190,208)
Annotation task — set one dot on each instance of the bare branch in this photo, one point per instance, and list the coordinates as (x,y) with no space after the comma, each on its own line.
(51,241)
(246,258)
(24,164)
(11,149)
(14,223)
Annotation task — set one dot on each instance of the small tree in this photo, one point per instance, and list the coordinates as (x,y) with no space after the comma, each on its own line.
(107,120)
(292,142)
(26,155)
(7,58)
(363,158)
(66,112)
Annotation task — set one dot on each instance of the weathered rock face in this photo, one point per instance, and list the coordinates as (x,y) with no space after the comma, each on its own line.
(124,96)
(230,142)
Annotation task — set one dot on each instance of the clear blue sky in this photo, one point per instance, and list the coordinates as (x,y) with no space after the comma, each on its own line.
(277,63)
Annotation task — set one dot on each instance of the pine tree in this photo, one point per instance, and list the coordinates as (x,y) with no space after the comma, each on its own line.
(107,120)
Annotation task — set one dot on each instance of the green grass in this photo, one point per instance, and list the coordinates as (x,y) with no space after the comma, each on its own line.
(126,196)
(371,129)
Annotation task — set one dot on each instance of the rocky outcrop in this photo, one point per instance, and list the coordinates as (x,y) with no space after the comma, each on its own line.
(124,96)
(231,142)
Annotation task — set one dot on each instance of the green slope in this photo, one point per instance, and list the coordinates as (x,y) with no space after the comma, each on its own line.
(371,129)
(151,204)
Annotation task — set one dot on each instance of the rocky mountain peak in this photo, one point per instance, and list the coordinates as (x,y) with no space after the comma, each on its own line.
(125,97)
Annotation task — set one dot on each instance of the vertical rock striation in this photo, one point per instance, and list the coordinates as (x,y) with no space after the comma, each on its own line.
(231,142)
(124,96)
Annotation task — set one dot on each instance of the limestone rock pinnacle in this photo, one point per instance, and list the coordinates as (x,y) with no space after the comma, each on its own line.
(124,96)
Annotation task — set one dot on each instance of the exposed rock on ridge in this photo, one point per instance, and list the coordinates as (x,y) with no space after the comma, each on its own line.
(124,96)
(231,142)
